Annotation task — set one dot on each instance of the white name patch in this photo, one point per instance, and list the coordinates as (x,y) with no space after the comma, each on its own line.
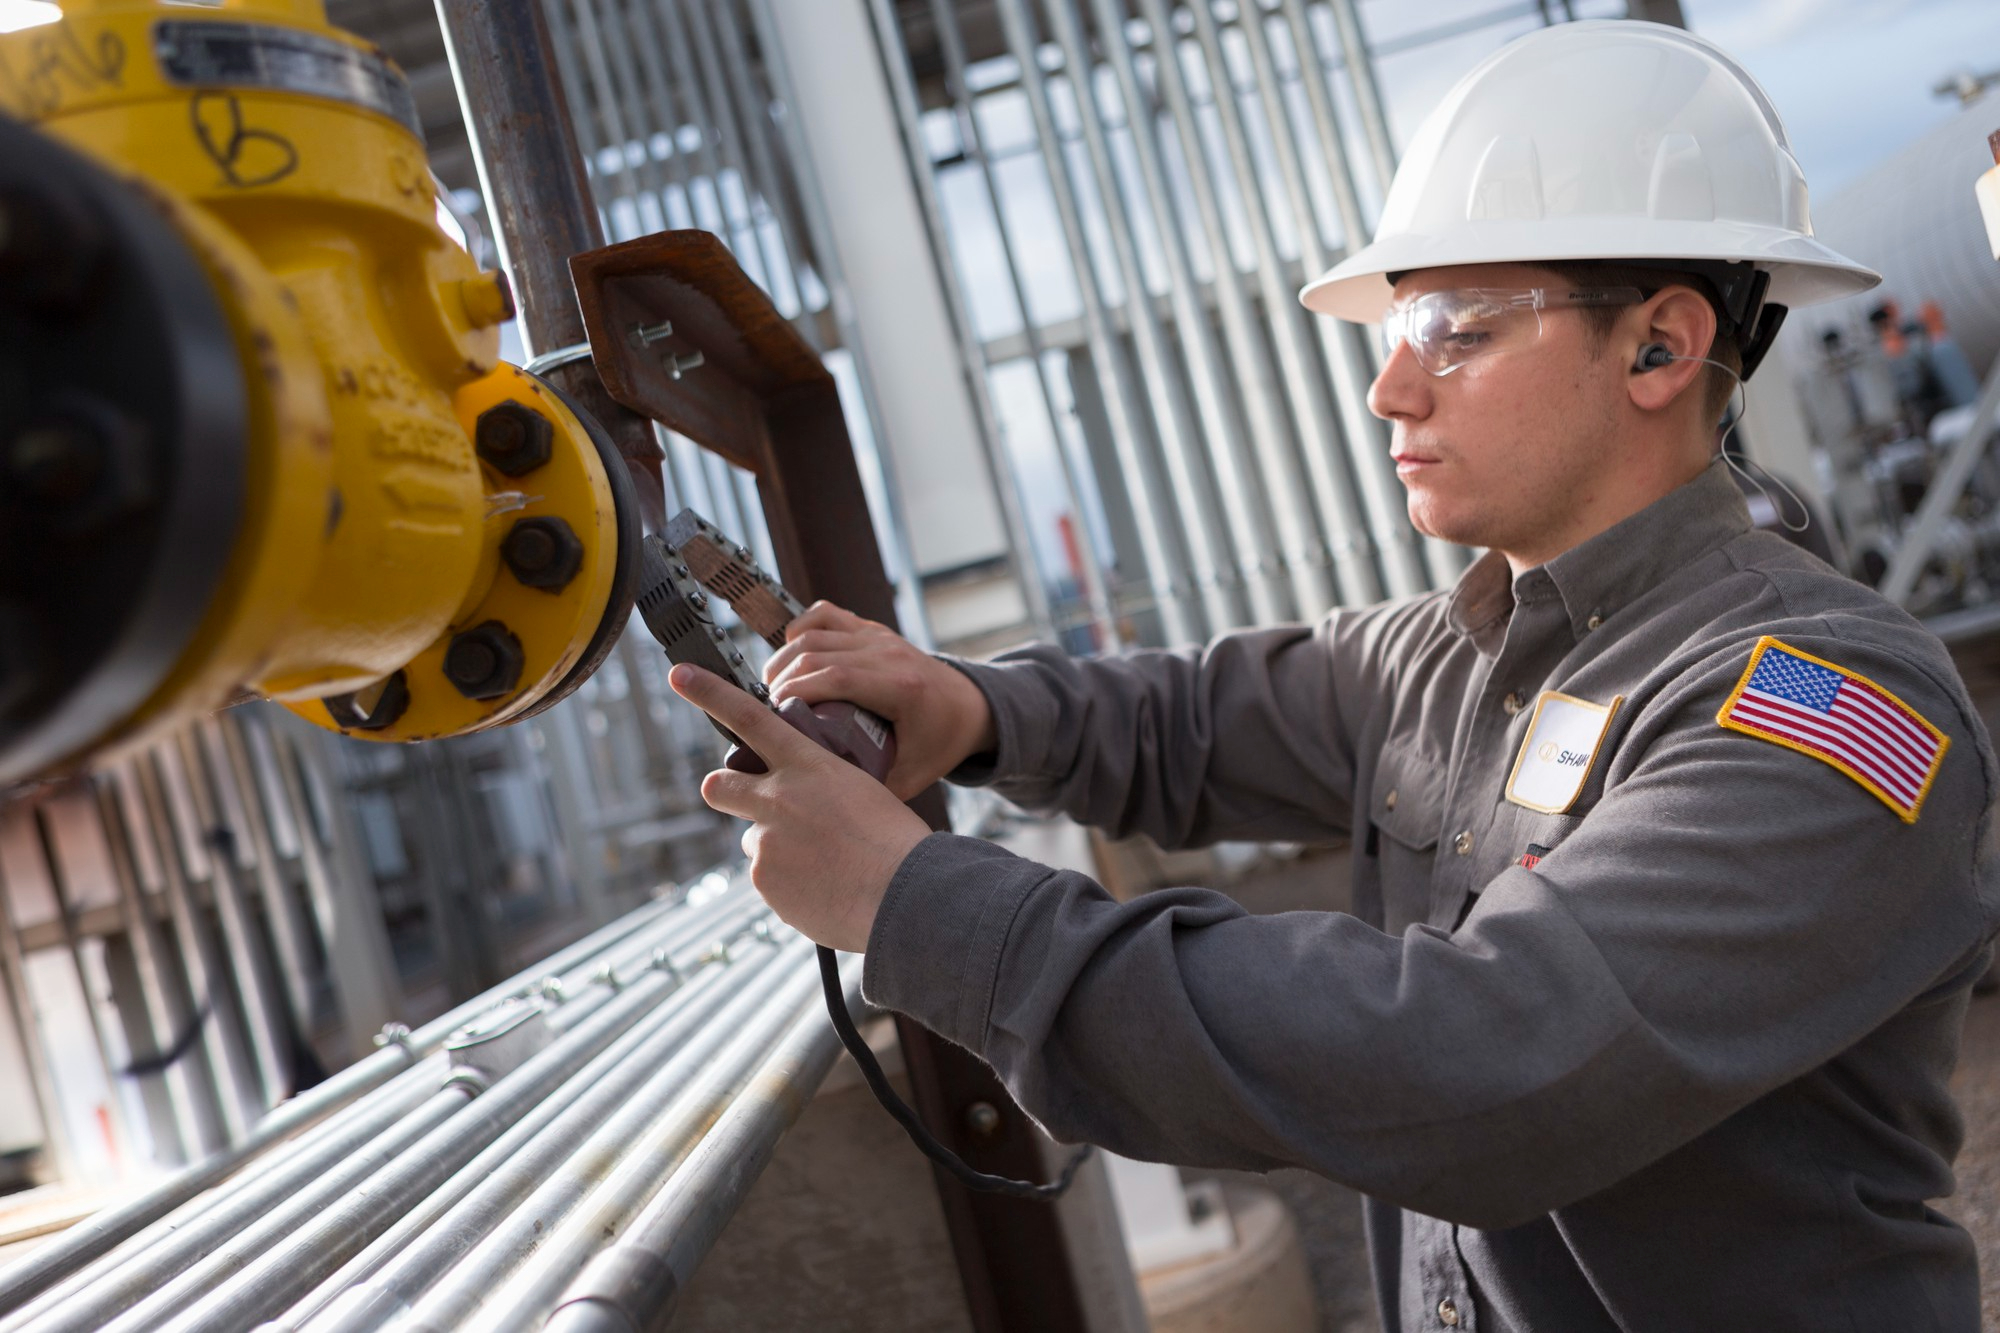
(1561,747)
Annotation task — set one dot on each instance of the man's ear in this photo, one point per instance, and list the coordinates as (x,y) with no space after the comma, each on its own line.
(1679,319)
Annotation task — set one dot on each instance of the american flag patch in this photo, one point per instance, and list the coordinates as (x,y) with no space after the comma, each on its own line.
(1831,713)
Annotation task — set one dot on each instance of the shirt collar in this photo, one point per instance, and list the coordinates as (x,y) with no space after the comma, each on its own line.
(1617,566)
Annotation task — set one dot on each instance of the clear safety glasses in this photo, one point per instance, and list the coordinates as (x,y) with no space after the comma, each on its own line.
(1446,329)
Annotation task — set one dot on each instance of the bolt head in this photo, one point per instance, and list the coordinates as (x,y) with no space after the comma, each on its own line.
(513,438)
(484,662)
(542,552)
(371,709)
(983,1119)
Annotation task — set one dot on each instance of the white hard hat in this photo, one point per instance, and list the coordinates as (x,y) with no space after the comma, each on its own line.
(1608,139)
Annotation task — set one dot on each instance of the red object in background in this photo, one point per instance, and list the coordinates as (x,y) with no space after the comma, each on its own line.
(1073,553)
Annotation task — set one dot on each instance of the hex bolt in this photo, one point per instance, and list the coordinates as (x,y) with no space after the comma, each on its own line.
(373,708)
(513,438)
(648,334)
(485,661)
(542,552)
(982,1119)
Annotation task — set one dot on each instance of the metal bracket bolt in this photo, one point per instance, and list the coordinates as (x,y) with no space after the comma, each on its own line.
(648,334)
(678,365)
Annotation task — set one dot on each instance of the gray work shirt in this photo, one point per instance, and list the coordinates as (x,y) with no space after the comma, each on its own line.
(1686,1071)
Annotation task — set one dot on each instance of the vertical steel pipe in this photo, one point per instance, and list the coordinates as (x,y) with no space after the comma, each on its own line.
(1001,465)
(771,181)
(1250,518)
(632,1287)
(27,1028)
(605,101)
(1006,477)
(1367,92)
(1152,506)
(1340,514)
(1283,479)
(197,1126)
(1367,442)
(721,108)
(1211,553)
(229,761)
(235,1075)
(270,1047)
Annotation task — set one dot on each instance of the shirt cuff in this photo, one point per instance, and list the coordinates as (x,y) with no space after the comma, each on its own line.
(1022,707)
(935,949)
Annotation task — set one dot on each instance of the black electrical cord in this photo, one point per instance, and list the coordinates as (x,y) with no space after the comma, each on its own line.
(878,1083)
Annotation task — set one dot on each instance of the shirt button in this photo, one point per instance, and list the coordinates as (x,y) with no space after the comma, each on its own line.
(1594,621)
(1462,844)
(1389,801)
(1512,704)
(1447,1313)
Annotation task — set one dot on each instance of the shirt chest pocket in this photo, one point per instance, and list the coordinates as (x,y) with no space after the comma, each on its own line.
(1405,819)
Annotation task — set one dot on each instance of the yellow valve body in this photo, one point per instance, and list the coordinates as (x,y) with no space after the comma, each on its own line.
(372,529)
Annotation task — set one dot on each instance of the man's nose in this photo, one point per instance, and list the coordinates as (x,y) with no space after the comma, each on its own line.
(1402,392)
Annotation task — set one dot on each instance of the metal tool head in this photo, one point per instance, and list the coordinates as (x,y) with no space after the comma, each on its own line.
(676,611)
(728,570)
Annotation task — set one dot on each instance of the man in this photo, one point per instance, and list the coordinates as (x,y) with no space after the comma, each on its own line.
(1667,840)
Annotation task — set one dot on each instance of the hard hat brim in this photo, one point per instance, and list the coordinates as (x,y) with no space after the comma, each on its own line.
(1803,272)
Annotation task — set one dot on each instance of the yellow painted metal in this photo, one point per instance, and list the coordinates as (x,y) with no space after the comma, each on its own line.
(365,330)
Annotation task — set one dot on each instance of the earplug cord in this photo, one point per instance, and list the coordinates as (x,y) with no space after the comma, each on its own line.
(1653,362)
(878,1083)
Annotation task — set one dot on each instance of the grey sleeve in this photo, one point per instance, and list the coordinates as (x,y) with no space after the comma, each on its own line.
(1730,915)
(1251,737)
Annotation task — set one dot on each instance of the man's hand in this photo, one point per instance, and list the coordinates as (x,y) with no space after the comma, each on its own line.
(825,838)
(941,717)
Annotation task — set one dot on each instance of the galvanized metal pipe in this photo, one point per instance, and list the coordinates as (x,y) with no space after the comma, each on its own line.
(891,528)
(1152,507)
(1209,543)
(1250,517)
(1341,518)
(605,101)
(633,1286)
(181,764)
(196,1122)
(1006,476)
(777,187)
(723,116)
(266,1267)
(1272,457)
(274,1182)
(1356,368)
(229,763)
(27,1031)
(228,1062)
(1366,438)
(392,1274)
(97,1236)
(513,1277)
(113,1109)
(1367,92)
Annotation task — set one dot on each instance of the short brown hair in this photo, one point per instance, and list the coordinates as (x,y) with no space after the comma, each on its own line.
(1601,320)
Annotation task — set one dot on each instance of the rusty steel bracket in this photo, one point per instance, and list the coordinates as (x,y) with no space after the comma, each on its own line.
(681,334)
